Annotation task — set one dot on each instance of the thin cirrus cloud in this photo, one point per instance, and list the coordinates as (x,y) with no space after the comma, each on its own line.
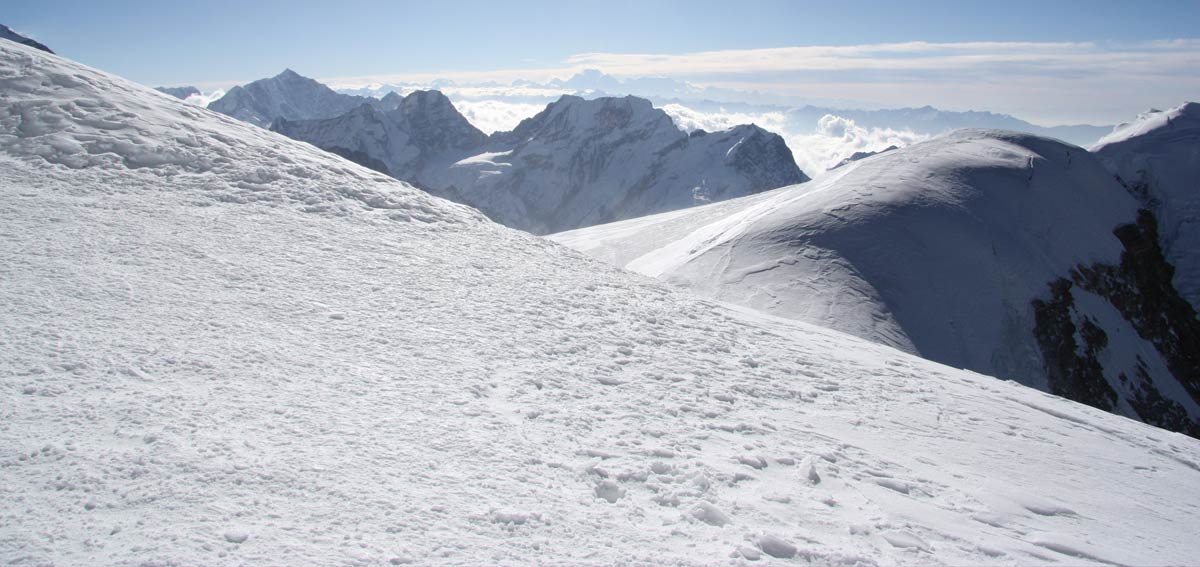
(1046,82)
(1137,57)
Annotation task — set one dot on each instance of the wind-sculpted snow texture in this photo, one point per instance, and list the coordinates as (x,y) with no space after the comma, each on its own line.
(219,346)
(577,163)
(1158,157)
(940,249)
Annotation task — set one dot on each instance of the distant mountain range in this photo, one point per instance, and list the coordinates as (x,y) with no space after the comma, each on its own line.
(801,119)
(577,163)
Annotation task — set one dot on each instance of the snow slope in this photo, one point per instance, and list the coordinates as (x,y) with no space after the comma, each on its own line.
(219,346)
(1158,157)
(938,249)
(577,163)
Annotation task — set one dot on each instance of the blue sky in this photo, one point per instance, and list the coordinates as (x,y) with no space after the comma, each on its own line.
(220,42)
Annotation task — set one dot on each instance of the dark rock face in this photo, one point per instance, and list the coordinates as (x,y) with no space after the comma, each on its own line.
(180,93)
(7,33)
(1072,369)
(1140,288)
(765,158)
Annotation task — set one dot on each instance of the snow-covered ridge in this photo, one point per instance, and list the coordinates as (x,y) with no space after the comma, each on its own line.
(74,123)
(223,347)
(1158,157)
(939,249)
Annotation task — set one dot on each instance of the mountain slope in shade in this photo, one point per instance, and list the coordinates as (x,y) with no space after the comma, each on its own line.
(405,137)
(225,347)
(581,162)
(1012,255)
(577,163)
(7,33)
(180,93)
(287,95)
(1158,157)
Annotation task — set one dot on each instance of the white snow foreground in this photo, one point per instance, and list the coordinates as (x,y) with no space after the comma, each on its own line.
(221,347)
(1158,156)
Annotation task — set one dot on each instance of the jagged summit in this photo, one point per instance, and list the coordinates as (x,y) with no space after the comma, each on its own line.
(577,162)
(287,95)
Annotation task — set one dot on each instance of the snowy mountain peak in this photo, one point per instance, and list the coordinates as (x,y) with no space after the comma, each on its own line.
(1185,116)
(401,136)
(576,162)
(612,117)
(287,95)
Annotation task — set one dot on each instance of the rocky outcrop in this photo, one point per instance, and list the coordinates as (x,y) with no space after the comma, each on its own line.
(1139,287)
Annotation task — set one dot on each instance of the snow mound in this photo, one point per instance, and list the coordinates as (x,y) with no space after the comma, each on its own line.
(197,367)
(71,123)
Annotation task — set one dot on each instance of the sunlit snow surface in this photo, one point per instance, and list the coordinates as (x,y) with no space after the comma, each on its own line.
(219,346)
